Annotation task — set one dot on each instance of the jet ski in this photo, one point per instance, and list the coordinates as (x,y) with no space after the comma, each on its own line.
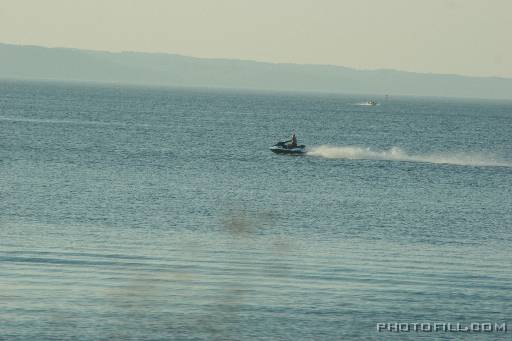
(284,148)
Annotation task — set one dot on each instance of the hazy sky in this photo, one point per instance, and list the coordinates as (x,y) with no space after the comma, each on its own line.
(472,37)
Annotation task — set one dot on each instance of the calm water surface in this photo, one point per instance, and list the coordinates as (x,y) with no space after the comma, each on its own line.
(160,214)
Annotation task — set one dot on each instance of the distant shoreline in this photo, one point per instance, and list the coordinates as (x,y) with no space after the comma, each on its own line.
(33,63)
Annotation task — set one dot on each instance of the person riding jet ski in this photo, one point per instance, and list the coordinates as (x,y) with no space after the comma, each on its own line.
(289,147)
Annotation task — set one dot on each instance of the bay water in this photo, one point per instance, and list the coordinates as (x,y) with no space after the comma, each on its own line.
(153,213)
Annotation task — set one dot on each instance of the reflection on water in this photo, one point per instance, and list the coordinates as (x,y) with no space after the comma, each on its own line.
(236,284)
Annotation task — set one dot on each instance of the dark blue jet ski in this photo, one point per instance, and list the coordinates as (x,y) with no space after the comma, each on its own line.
(284,148)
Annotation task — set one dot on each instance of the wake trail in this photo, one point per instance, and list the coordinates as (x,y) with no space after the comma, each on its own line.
(397,154)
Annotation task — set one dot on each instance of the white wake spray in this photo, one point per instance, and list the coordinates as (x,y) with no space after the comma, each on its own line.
(397,154)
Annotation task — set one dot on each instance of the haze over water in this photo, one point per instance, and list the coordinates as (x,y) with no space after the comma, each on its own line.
(160,213)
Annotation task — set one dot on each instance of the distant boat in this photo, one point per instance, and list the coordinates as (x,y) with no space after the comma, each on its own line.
(368,103)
